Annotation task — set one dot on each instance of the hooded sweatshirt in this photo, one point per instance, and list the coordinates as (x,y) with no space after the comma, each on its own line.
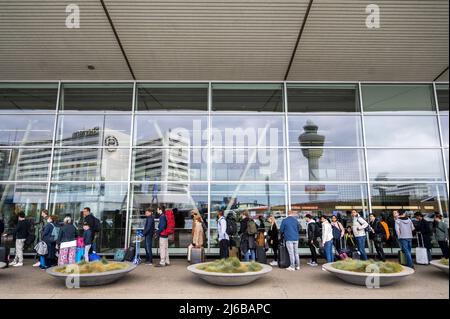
(404,228)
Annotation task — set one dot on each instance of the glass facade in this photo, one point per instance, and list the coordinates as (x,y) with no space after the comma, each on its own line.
(319,148)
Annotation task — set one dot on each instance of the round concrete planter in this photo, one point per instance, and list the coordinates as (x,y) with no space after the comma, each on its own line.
(437,264)
(225,279)
(368,279)
(2,265)
(95,279)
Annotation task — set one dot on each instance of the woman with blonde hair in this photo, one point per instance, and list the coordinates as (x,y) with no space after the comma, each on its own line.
(273,239)
(199,233)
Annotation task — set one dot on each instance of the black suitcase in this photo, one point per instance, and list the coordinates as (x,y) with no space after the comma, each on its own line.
(4,255)
(283,256)
(261,255)
(130,253)
(197,255)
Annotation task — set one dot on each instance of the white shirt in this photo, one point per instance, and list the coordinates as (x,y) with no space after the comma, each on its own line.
(222,229)
(327,232)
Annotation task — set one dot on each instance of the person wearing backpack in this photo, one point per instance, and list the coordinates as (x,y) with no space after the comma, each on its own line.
(338,233)
(94,225)
(273,239)
(377,235)
(290,230)
(359,228)
(49,235)
(312,234)
(66,242)
(224,237)
(163,238)
(248,232)
(441,233)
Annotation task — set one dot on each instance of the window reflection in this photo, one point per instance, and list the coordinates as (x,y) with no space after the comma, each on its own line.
(183,131)
(408,164)
(26,130)
(182,198)
(442,96)
(26,97)
(398,98)
(24,164)
(247,131)
(247,97)
(337,130)
(170,164)
(96,164)
(317,164)
(444,129)
(172,96)
(94,130)
(108,202)
(401,131)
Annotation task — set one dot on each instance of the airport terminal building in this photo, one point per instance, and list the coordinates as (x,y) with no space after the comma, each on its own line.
(265,106)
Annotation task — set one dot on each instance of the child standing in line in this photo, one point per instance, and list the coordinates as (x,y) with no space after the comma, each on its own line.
(87,238)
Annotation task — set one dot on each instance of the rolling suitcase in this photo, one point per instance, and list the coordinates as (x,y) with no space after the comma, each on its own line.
(402,258)
(197,255)
(129,255)
(261,255)
(421,252)
(283,256)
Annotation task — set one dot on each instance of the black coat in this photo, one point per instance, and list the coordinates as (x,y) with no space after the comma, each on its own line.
(22,229)
(149,228)
(67,233)
(379,231)
(426,230)
(274,235)
(47,238)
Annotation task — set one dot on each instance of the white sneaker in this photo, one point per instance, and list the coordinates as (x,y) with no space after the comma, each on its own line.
(18,265)
(313,264)
(13,263)
(290,269)
(37,264)
(274,263)
(297,268)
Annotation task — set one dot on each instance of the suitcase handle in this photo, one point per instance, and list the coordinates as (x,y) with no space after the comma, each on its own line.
(418,242)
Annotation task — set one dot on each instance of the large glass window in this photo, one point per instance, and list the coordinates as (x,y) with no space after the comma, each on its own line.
(257,199)
(96,164)
(170,164)
(402,131)
(307,130)
(398,98)
(94,130)
(318,164)
(238,130)
(405,164)
(26,130)
(26,97)
(426,198)
(107,201)
(444,129)
(442,96)
(26,164)
(248,97)
(172,97)
(166,131)
(182,198)
(248,164)
(322,98)
(96,97)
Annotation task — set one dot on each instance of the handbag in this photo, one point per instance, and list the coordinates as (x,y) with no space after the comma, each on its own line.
(41,248)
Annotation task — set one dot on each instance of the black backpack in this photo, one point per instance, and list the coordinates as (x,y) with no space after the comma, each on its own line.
(317,230)
(231,227)
(97,226)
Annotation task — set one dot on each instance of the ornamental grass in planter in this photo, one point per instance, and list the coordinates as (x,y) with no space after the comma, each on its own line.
(444,262)
(230,265)
(368,266)
(92,267)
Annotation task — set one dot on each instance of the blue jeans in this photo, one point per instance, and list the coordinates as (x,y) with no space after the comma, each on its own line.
(328,249)
(148,248)
(361,243)
(250,254)
(406,246)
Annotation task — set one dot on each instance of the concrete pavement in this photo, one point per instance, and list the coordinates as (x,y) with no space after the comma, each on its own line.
(176,282)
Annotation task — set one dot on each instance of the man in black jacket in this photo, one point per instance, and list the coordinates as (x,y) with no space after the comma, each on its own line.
(312,233)
(149,232)
(20,234)
(424,231)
